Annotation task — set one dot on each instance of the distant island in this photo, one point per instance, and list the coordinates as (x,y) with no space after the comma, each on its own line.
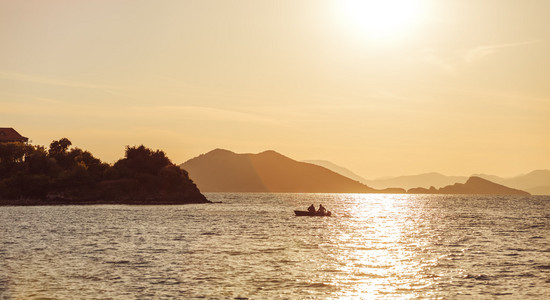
(34,175)
(225,171)
(536,182)
(474,185)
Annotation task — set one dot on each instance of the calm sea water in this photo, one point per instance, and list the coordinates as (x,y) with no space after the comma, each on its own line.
(252,246)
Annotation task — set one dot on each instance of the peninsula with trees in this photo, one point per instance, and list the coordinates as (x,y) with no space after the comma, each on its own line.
(61,175)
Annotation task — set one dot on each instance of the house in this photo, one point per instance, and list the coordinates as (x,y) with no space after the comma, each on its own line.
(8,135)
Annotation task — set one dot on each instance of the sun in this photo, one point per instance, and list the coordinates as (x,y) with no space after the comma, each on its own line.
(382,19)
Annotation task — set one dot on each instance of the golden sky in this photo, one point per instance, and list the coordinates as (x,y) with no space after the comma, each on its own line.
(383,88)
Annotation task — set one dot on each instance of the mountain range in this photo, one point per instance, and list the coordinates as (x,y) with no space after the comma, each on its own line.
(536,182)
(224,171)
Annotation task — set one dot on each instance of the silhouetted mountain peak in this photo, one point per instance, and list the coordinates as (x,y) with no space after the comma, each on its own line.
(477,180)
(271,154)
(432,174)
(219,151)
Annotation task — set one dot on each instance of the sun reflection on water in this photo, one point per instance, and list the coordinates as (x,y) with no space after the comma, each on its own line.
(376,251)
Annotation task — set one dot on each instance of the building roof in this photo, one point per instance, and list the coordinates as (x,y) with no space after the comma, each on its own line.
(10,135)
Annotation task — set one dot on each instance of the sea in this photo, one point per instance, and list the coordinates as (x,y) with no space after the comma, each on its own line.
(252,246)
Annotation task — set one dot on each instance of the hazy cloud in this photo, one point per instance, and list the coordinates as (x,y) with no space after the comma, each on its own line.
(450,62)
(50,81)
(477,53)
(200,113)
(432,57)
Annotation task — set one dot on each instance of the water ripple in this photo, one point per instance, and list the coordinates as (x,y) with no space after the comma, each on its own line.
(253,247)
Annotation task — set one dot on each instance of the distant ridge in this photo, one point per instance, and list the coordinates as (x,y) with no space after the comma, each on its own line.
(536,182)
(474,185)
(425,180)
(224,171)
(337,169)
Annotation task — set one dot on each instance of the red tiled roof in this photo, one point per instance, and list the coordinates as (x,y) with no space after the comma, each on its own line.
(10,135)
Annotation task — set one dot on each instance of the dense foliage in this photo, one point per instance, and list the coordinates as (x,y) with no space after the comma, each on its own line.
(28,171)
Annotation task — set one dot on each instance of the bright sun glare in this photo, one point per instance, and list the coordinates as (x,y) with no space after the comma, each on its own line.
(382,19)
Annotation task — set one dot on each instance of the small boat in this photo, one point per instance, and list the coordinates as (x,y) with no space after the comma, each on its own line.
(301,213)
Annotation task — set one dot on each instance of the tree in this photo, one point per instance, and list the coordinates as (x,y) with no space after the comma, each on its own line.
(171,178)
(12,152)
(12,156)
(58,151)
(59,147)
(38,162)
(142,160)
(93,165)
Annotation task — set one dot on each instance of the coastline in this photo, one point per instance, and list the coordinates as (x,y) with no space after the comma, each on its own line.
(133,201)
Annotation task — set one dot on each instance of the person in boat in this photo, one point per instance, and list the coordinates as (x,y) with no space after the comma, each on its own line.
(311,209)
(322,210)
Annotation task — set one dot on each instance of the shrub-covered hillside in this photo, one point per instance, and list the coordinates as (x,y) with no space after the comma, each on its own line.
(34,175)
